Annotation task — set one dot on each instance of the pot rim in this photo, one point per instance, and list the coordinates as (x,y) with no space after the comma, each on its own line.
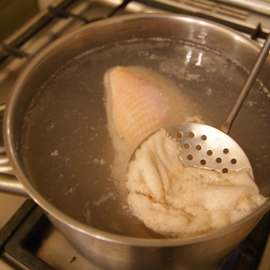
(66,219)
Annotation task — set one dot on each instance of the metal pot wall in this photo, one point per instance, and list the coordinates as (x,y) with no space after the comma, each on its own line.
(55,132)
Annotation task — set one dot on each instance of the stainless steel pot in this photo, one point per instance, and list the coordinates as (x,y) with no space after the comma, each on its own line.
(59,147)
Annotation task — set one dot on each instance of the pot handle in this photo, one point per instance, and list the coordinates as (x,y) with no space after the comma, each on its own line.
(8,182)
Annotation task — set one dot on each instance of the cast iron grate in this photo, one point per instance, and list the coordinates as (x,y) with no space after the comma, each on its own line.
(60,11)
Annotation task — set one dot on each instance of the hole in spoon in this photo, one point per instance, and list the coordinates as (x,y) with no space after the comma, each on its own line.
(203,162)
(204,137)
(187,146)
(198,147)
(189,157)
(225,150)
(209,152)
(191,134)
(179,135)
(233,161)
(218,160)
(225,170)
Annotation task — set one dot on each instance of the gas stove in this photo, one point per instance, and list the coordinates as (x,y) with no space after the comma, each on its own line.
(27,238)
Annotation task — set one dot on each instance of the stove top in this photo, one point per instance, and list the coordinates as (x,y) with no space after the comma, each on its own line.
(27,239)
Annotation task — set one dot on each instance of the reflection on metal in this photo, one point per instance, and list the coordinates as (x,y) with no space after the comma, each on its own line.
(199,62)
(203,35)
(5,166)
(255,5)
(188,56)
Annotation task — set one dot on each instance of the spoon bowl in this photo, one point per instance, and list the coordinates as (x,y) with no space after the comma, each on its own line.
(206,147)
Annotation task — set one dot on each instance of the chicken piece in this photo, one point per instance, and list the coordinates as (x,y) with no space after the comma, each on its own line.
(140,101)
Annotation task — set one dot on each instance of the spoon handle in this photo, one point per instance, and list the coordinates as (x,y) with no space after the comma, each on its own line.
(226,126)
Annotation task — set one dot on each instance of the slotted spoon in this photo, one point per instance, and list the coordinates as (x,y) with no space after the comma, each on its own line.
(207,147)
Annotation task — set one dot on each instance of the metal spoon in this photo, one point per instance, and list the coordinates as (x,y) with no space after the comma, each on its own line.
(207,147)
